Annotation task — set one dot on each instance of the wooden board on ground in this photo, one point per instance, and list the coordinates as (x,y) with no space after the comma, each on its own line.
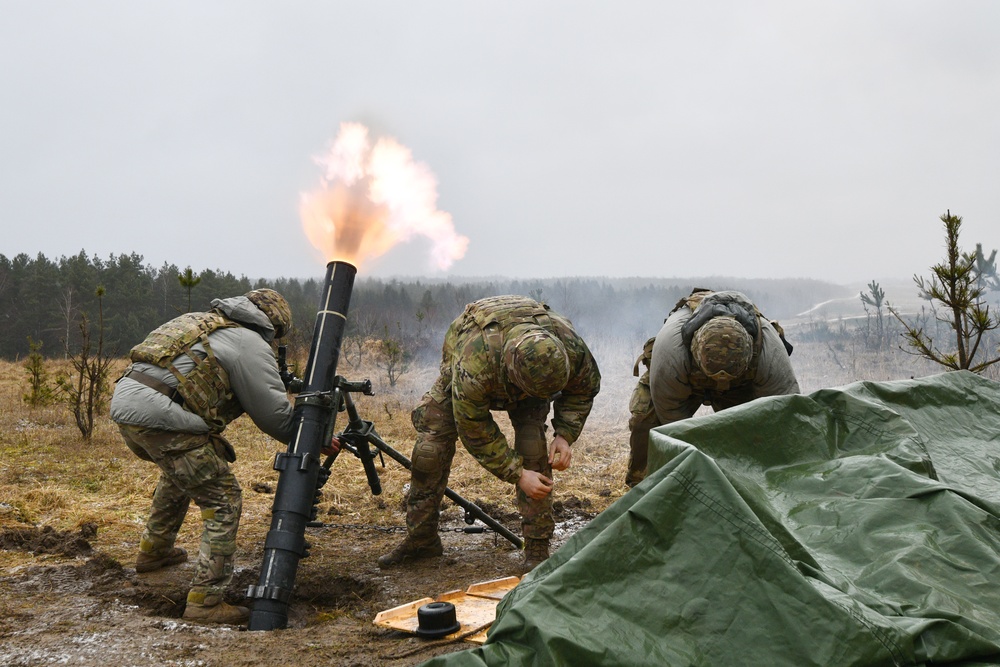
(475,607)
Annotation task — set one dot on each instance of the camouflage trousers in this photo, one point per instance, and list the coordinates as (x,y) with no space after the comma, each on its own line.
(191,468)
(435,449)
(642,420)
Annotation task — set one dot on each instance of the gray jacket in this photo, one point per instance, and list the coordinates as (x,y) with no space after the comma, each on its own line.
(245,354)
(670,368)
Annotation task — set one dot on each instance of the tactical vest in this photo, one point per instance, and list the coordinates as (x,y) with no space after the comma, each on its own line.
(205,390)
(497,315)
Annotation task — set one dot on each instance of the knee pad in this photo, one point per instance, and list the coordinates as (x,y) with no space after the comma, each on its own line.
(535,454)
(427,457)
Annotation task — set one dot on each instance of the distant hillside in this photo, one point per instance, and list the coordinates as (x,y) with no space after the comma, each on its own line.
(633,308)
(777,297)
(900,294)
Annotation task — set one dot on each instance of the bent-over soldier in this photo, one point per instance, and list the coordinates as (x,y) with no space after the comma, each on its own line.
(189,378)
(503,353)
(715,348)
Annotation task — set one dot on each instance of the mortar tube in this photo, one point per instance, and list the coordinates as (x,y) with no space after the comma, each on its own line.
(299,466)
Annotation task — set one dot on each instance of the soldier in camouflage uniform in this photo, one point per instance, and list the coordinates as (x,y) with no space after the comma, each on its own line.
(642,418)
(503,353)
(188,380)
(714,349)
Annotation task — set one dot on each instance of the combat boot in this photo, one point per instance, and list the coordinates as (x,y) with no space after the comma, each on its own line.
(535,551)
(633,477)
(412,548)
(148,561)
(212,609)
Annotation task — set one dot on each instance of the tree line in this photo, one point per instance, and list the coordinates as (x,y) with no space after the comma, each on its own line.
(42,301)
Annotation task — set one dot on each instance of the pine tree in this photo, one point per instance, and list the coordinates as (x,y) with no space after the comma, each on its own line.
(188,281)
(954,284)
(874,298)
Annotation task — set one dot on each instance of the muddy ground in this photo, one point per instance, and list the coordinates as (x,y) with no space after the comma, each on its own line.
(74,603)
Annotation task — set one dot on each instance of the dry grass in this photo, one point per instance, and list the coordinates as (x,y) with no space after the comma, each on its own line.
(50,476)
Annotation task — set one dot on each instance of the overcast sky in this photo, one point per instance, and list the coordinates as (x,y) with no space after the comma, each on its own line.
(572,138)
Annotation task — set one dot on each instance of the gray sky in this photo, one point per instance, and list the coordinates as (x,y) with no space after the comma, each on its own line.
(573,138)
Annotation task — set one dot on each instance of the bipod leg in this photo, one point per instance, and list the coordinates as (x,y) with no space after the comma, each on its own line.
(469,506)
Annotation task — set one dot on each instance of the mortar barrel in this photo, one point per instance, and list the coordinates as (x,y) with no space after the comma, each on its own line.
(299,466)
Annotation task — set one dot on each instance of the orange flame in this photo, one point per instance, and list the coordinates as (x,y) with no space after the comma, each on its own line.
(372,198)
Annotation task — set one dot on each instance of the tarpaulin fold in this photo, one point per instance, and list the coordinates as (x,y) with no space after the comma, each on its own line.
(853,526)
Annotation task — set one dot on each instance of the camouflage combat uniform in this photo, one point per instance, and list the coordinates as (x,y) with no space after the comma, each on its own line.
(673,388)
(191,468)
(473,381)
(189,379)
(642,418)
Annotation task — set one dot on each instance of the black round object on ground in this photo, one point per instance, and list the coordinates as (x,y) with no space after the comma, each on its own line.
(436,619)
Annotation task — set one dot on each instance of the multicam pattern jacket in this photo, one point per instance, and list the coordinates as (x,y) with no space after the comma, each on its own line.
(474,377)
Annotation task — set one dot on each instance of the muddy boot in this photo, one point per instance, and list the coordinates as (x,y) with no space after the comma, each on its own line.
(203,608)
(147,561)
(535,551)
(633,477)
(412,549)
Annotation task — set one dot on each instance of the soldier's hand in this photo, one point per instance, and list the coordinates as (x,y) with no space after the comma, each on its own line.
(535,484)
(332,448)
(560,453)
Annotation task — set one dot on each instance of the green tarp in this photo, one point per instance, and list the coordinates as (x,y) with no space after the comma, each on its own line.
(853,526)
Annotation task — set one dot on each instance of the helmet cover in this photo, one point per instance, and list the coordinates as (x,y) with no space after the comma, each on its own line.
(275,307)
(536,360)
(722,348)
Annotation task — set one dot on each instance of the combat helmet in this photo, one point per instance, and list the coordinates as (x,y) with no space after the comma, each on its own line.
(536,360)
(275,307)
(722,349)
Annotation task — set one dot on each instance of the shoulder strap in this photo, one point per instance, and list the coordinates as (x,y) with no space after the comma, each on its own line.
(153,383)
(646,357)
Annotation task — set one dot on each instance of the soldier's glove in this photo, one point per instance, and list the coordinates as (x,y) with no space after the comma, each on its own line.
(332,449)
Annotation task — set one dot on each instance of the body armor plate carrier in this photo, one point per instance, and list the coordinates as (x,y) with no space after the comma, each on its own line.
(205,390)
